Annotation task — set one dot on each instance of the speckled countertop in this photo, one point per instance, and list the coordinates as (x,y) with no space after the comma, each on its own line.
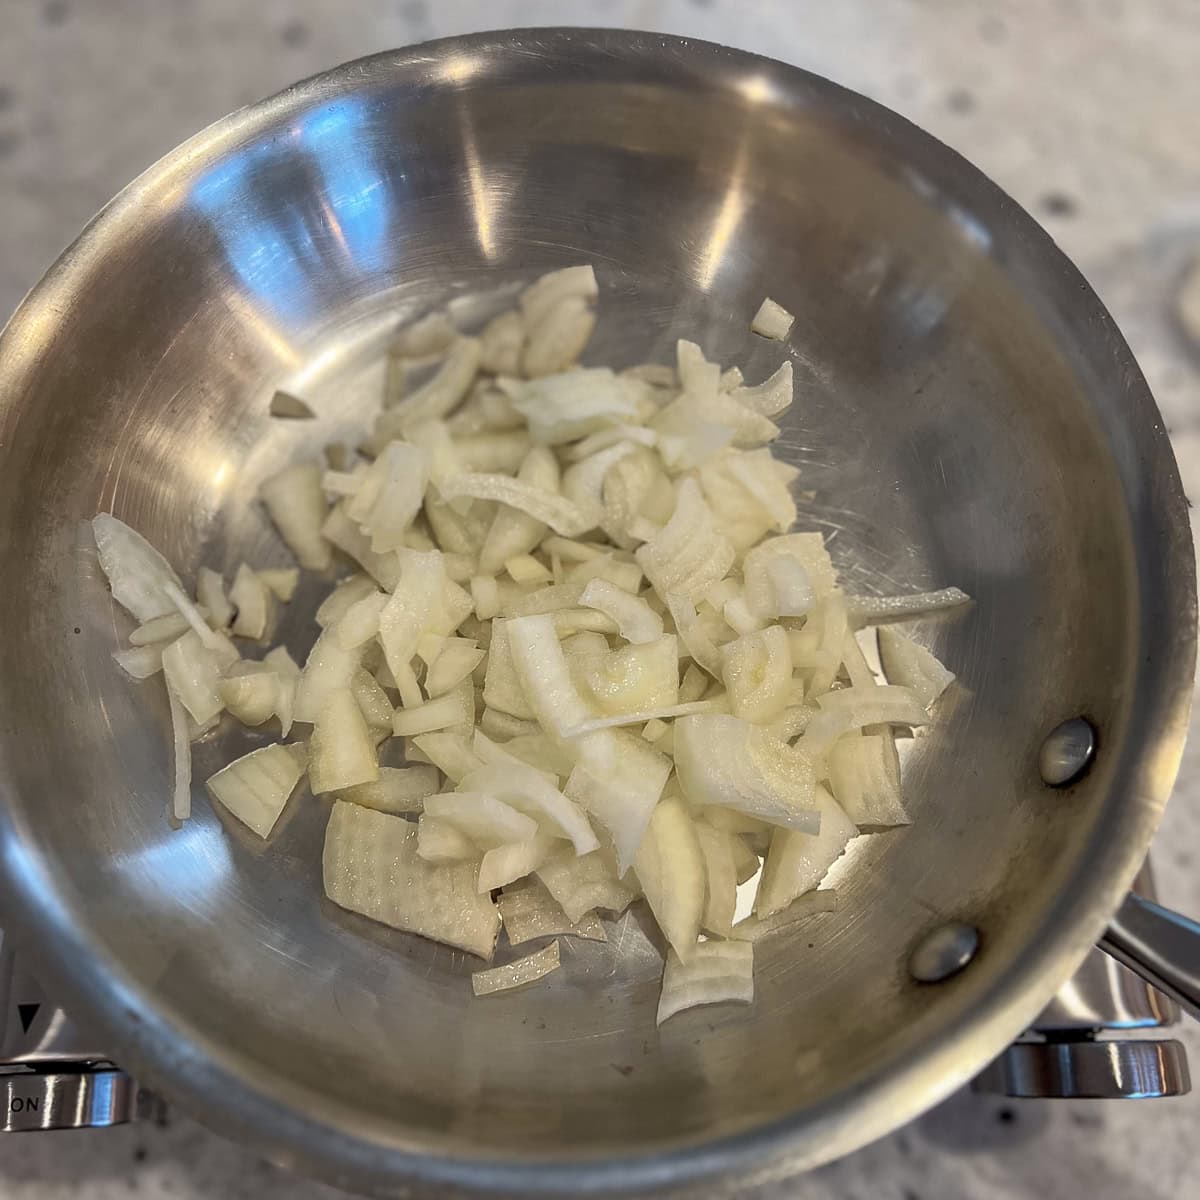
(1087,111)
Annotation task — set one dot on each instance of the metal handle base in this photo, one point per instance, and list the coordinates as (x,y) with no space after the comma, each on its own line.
(1162,946)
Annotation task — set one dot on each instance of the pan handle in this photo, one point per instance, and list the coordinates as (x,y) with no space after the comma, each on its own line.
(1161,946)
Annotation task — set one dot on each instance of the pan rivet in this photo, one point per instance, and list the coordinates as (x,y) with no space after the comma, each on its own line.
(943,952)
(1067,752)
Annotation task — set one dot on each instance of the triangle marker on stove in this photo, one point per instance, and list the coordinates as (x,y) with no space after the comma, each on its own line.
(27,1012)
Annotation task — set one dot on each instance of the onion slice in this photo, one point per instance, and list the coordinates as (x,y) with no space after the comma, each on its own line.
(516,974)
(715,973)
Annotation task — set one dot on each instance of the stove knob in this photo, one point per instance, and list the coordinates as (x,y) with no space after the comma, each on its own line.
(1088,1070)
(70,1098)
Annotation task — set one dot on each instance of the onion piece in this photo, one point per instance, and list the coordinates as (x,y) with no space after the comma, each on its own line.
(160,629)
(558,338)
(390,495)
(136,572)
(580,883)
(528,911)
(763,582)
(864,775)
(689,555)
(632,679)
(455,708)
(181,796)
(622,798)
(435,398)
(797,862)
(513,532)
(296,503)
(250,692)
(715,973)
(696,708)
(910,664)
(397,790)
(372,702)
(255,788)
(330,667)
(140,662)
(888,705)
(344,596)
(459,657)
(359,623)
(503,865)
(551,289)
(431,334)
(525,569)
(210,592)
(516,974)
(193,672)
(548,507)
(371,866)
(811,904)
(483,818)
(412,611)
(772,321)
(343,533)
(875,610)
(527,790)
(450,751)
(439,841)
(637,621)
(669,866)
(342,751)
(501,342)
(541,667)
(253,601)
(757,673)
(721,882)
(730,763)
(561,408)
(772,396)
(281,581)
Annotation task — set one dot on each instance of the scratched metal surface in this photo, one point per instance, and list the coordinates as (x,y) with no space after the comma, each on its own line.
(966,415)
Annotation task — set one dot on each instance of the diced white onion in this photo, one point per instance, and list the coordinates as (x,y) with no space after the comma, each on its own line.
(637,621)
(136,572)
(256,787)
(772,320)
(875,610)
(911,665)
(529,911)
(296,502)
(516,974)
(715,973)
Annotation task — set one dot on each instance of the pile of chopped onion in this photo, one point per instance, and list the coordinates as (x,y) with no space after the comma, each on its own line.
(575,605)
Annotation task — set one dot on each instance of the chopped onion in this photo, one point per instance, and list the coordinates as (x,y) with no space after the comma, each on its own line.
(622,798)
(890,705)
(669,866)
(390,495)
(296,502)
(637,621)
(797,862)
(580,883)
(450,751)
(359,622)
(181,801)
(281,581)
(210,591)
(548,507)
(875,610)
(483,818)
(529,911)
(435,398)
(251,692)
(561,408)
(558,338)
(516,974)
(413,607)
(689,555)
(253,601)
(864,774)
(501,342)
(342,751)
(160,629)
(256,787)
(193,672)
(456,707)
(136,572)
(502,865)
(720,873)
(772,396)
(715,973)
(527,790)
(764,593)
(397,790)
(632,679)
(551,289)
(724,761)
(458,659)
(757,673)
(911,665)
(772,321)
(140,662)
(541,668)
(343,533)
(330,667)
(439,841)
(432,334)
(638,718)
(371,867)
(344,596)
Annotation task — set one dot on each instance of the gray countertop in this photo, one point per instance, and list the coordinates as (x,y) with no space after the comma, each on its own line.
(1088,113)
